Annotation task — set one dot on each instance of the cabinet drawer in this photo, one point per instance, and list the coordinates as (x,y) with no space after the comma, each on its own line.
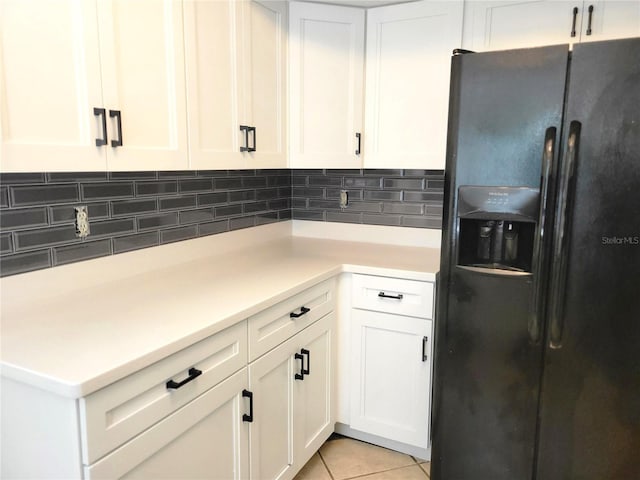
(393,295)
(276,324)
(118,412)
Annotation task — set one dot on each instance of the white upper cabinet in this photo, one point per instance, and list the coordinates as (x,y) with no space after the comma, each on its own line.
(89,85)
(326,71)
(236,55)
(407,89)
(49,85)
(500,25)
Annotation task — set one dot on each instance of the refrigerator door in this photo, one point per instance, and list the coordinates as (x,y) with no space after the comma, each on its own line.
(502,107)
(590,401)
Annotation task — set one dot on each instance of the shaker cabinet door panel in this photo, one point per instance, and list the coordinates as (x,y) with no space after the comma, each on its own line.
(49,86)
(610,19)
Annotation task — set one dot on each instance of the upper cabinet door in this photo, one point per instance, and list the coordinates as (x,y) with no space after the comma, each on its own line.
(49,86)
(142,52)
(326,46)
(265,26)
(608,20)
(408,64)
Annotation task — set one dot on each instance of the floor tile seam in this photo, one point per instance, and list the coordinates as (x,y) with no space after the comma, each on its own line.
(325,465)
(382,471)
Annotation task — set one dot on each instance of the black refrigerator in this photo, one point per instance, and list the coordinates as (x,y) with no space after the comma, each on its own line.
(537,372)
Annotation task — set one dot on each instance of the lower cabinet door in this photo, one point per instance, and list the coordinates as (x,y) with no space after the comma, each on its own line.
(391,370)
(314,418)
(205,439)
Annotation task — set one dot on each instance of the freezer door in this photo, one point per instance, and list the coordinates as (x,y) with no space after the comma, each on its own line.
(590,400)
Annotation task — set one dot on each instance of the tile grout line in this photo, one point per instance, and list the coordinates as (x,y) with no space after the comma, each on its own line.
(325,465)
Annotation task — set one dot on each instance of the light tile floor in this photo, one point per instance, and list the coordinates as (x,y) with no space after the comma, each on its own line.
(342,458)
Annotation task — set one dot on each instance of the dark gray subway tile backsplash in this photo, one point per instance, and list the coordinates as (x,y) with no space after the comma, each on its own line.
(134,210)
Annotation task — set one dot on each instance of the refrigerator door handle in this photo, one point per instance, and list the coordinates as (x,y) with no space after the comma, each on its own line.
(539,250)
(561,238)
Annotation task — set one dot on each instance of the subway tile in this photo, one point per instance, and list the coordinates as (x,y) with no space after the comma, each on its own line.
(267,217)
(414,172)
(132,207)
(255,182)
(382,195)
(135,242)
(308,171)
(227,183)
(245,173)
(24,262)
(213,173)
(21,178)
(307,214)
(4,196)
(435,184)
(266,194)
(273,171)
(298,203)
(60,177)
(23,218)
(344,171)
(158,187)
(177,174)
(212,228)
(43,237)
(177,234)
(157,221)
(435,210)
(43,194)
(421,222)
(212,198)
(281,204)
(196,216)
(322,181)
(67,213)
(279,181)
(324,204)
(382,172)
(299,180)
(83,251)
(362,182)
(228,211)
(371,219)
(6,243)
(344,217)
(307,192)
(254,207)
(351,194)
(403,208)
(422,197)
(242,196)
(133,175)
(242,222)
(284,215)
(403,183)
(372,207)
(170,203)
(195,185)
(112,227)
(284,192)
(106,190)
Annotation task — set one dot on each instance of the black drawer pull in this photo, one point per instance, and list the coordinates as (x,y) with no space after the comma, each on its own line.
(303,310)
(590,18)
(573,23)
(118,115)
(395,297)
(299,376)
(306,352)
(252,131)
(245,147)
(425,341)
(359,137)
(193,373)
(102,113)
(249,395)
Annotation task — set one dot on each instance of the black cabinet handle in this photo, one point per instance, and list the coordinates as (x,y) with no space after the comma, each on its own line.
(193,374)
(251,130)
(573,24)
(299,376)
(590,18)
(249,395)
(425,341)
(359,137)
(118,115)
(245,129)
(103,113)
(395,297)
(303,311)
(306,352)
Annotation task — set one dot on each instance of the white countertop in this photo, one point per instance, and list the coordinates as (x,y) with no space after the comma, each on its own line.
(75,329)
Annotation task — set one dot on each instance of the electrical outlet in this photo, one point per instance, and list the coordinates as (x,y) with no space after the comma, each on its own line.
(344,199)
(82,221)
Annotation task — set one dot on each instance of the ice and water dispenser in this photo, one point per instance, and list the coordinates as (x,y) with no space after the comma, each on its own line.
(497,227)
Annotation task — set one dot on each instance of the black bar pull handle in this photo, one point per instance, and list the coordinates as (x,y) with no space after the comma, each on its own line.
(249,417)
(540,241)
(590,18)
(102,113)
(118,115)
(193,374)
(395,297)
(425,342)
(300,376)
(306,371)
(359,137)
(573,23)
(562,234)
(245,129)
(303,311)
(251,130)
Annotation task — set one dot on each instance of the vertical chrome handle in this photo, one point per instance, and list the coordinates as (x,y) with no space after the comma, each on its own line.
(118,115)
(425,342)
(249,395)
(359,137)
(540,242)
(245,129)
(573,23)
(103,113)
(562,233)
(590,18)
